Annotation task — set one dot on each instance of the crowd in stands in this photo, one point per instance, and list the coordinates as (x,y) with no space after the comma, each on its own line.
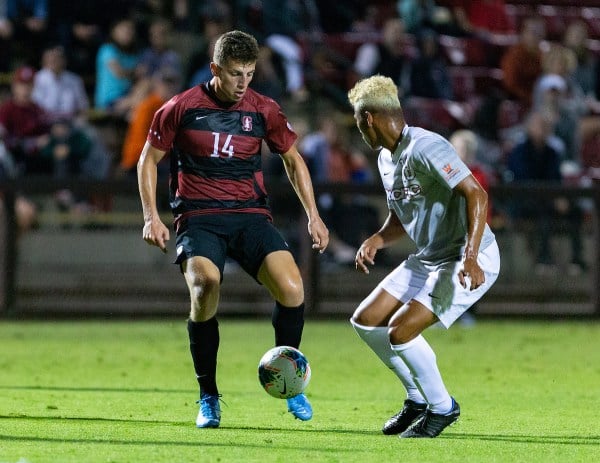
(495,71)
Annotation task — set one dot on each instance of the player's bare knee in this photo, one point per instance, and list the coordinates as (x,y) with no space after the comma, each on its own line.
(402,333)
(202,313)
(364,315)
(290,293)
(359,317)
(202,285)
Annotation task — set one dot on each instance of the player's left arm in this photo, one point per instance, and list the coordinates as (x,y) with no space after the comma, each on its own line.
(477,204)
(299,176)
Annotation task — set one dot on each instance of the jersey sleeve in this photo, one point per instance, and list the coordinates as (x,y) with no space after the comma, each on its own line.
(280,136)
(440,157)
(164,126)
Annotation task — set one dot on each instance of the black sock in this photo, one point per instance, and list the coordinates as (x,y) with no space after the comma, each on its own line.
(204,345)
(288,323)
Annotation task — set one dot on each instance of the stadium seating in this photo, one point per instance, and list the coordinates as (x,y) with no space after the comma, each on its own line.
(470,51)
(469,81)
(590,153)
(443,116)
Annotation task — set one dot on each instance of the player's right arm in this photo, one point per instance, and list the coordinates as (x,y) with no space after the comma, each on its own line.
(155,232)
(391,231)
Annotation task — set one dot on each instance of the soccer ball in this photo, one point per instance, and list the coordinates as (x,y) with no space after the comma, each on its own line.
(284,372)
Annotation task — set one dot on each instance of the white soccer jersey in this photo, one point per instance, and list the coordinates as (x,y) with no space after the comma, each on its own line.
(419,178)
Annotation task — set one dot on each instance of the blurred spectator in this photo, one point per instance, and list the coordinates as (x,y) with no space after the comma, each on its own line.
(386,57)
(579,118)
(159,52)
(67,149)
(116,65)
(536,159)
(194,21)
(551,94)
(330,158)
(165,83)
(429,77)
(282,22)
(202,72)
(23,124)
(416,14)
(485,126)
(60,92)
(424,14)
(266,79)
(24,27)
(69,153)
(522,62)
(80,27)
(587,69)
(212,22)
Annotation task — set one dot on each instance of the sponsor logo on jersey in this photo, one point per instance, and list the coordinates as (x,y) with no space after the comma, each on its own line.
(408,192)
(449,171)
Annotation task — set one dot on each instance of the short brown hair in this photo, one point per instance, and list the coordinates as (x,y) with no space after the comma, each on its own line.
(235,46)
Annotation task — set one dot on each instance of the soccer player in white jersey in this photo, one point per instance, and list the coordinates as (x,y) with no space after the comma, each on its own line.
(434,199)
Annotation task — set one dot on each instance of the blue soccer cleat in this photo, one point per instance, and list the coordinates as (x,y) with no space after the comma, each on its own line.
(209,415)
(300,407)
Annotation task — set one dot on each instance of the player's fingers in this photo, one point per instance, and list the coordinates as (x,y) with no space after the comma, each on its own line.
(359,261)
(362,267)
(368,255)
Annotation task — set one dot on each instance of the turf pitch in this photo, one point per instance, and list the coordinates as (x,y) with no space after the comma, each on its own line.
(115,391)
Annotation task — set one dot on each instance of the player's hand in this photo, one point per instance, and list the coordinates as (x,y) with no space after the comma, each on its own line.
(156,233)
(319,234)
(471,274)
(365,255)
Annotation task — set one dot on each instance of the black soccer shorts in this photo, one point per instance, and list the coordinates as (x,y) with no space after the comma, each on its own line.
(246,238)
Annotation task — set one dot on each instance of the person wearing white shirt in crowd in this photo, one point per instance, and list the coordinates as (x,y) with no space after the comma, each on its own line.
(59,91)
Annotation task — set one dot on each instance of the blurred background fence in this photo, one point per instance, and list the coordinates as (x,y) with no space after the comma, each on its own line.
(80,266)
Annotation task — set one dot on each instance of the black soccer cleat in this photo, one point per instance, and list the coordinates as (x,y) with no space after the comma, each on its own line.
(404,418)
(432,424)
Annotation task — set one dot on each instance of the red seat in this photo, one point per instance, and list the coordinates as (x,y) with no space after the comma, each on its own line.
(592,17)
(590,153)
(470,81)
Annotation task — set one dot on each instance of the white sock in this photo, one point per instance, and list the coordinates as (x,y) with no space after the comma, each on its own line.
(378,340)
(420,359)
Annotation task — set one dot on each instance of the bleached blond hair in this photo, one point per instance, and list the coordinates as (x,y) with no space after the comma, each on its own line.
(375,93)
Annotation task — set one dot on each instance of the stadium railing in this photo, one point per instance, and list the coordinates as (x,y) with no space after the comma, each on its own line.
(518,292)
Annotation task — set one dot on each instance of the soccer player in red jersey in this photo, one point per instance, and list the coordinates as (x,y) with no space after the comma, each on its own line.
(213,133)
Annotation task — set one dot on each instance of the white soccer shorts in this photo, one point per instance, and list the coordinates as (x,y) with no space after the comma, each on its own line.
(437,286)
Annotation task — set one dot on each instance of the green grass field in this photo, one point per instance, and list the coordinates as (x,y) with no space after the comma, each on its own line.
(125,392)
